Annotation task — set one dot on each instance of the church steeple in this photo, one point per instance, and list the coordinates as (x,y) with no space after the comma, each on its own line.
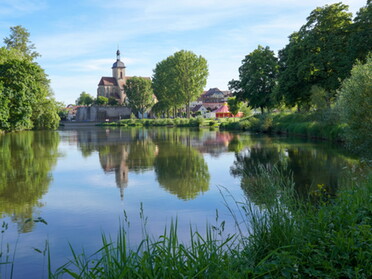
(118,55)
(118,68)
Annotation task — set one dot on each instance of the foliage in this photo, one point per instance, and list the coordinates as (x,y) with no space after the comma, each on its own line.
(180,79)
(290,238)
(101,100)
(45,115)
(316,55)
(25,88)
(318,97)
(360,41)
(84,99)
(112,101)
(257,76)
(355,106)
(25,96)
(19,40)
(139,93)
(62,110)
(234,105)
(161,83)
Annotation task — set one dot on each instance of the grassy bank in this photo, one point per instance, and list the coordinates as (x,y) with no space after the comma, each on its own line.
(319,237)
(311,125)
(163,122)
(322,125)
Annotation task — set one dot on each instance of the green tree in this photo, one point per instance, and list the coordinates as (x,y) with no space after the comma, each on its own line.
(258,75)
(101,100)
(84,99)
(360,43)
(355,106)
(167,97)
(62,110)
(191,72)
(140,94)
(19,40)
(316,55)
(234,105)
(180,78)
(4,108)
(112,101)
(26,87)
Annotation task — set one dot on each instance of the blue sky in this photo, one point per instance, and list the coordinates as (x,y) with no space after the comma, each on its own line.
(78,39)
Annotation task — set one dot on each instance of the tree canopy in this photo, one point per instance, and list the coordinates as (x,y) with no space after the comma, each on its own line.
(85,99)
(316,55)
(180,78)
(25,88)
(140,96)
(19,40)
(257,78)
(25,96)
(355,105)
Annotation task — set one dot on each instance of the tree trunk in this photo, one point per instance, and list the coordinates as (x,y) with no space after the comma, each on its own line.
(188,109)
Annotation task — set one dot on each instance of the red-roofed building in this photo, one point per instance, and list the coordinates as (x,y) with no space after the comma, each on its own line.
(223,111)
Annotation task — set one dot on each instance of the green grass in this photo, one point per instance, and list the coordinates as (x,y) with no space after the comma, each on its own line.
(321,125)
(288,237)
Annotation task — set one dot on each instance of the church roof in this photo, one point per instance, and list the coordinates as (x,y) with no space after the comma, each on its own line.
(118,64)
(108,81)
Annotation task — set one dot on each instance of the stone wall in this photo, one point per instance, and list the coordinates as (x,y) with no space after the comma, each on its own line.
(102,113)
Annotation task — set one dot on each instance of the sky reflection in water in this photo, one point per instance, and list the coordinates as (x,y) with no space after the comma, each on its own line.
(81,182)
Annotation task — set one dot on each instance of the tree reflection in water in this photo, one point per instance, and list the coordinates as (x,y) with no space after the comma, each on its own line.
(309,164)
(26,161)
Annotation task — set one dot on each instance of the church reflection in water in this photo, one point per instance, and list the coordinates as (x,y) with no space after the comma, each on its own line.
(175,155)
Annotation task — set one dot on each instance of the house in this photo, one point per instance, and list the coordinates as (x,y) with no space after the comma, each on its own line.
(199,110)
(224,111)
(113,87)
(214,98)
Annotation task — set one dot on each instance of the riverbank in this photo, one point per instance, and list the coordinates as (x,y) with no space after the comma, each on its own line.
(320,237)
(311,125)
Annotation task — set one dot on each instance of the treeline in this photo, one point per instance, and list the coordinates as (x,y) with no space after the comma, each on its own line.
(309,70)
(26,100)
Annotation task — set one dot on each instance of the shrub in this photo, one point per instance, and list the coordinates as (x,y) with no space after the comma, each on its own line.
(354,104)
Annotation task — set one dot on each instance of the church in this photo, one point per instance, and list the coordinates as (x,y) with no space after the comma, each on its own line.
(113,87)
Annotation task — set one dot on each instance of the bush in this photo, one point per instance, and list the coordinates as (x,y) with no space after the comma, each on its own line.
(354,104)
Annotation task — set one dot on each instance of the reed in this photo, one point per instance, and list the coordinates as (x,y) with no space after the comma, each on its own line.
(286,237)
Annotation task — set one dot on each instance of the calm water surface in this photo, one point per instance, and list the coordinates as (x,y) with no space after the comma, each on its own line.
(82,181)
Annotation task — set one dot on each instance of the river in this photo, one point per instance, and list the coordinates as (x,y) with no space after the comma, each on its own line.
(75,185)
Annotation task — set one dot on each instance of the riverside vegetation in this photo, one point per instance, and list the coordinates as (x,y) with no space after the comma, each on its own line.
(315,237)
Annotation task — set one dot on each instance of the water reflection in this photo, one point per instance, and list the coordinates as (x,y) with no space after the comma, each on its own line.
(181,170)
(26,160)
(310,164)
(174,154)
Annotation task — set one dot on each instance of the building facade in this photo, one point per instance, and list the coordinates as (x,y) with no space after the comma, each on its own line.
(113,87)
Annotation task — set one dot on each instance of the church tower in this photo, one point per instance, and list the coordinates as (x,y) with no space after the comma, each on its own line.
(118,68)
